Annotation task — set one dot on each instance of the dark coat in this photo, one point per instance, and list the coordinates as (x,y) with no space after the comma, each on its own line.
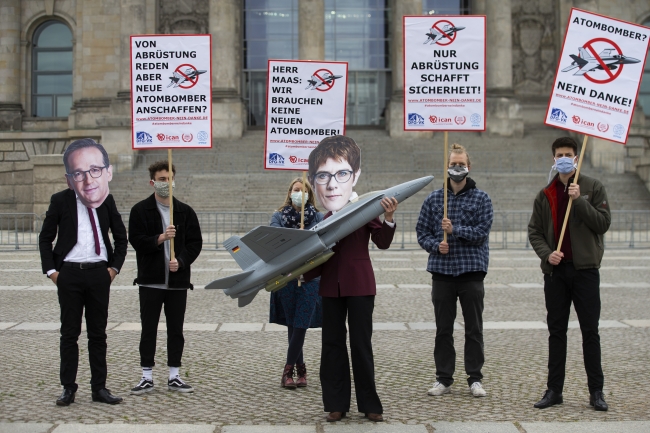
(146,225)
(349,271)
(62,216)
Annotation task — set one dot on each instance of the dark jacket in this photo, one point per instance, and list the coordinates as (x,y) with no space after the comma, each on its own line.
(145,225)
(589,220)
(62,216)
(349,271)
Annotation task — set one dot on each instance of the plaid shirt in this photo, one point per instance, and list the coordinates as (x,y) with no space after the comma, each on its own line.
(471,216)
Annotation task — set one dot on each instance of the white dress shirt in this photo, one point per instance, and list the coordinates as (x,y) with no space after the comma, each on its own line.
(84,249)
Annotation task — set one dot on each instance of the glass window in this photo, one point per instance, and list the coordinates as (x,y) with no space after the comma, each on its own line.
(644,91)
(356,31)
(52,70)
(445,7)
(270,32)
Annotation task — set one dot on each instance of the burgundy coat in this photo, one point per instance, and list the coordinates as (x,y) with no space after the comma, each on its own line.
(349,271)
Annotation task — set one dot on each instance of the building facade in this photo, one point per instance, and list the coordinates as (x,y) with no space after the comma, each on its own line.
(65,64)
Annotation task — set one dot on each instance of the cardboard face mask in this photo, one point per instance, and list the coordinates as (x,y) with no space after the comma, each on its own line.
(88,172)
(334,167)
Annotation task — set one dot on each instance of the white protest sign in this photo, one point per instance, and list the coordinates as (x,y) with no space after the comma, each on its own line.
(171,91)
(444,73)
(598,76)
(305,102)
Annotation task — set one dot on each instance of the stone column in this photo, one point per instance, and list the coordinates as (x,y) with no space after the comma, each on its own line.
(10,105)
(132,22)
(228,115)
(311,29)
(395,111)
(504,116)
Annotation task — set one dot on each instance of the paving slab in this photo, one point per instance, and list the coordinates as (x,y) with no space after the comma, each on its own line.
(369,427)
(422,325)
(268,429)
(526,285)
(394,326)
(474,427)
(385,286)
(13,287)
(124,287)
(133,428)
(241,327)
(587,427)
(274,327)
(31,326)
(496,286)
(10,427)
(637,323)
(5,325)
(395,269)
(514,325)
(209,327)
(50,287)
(414,286)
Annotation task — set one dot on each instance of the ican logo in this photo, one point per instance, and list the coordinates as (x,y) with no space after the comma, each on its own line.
(142,137)
(415,119)
(276,159)
(558,115)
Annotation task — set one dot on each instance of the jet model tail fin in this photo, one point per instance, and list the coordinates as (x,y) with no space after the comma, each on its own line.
(584,54)
(580,61)
(242,254)
(227,282)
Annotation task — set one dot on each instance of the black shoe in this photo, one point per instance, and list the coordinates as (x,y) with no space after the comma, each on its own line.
(176,384)
(550,398)
(597,400)
(145,385)
(66,398)
(104,396)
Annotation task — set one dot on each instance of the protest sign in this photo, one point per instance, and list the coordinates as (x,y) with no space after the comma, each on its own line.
(444,73)
(306,102)
(598,76)
(171,91)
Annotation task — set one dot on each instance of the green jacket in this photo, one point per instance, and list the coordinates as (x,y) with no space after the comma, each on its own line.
(589,220)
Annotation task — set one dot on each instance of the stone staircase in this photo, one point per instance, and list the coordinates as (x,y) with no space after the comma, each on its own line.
(230,176)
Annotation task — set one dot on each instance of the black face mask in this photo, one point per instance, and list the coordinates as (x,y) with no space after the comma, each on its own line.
(457,173)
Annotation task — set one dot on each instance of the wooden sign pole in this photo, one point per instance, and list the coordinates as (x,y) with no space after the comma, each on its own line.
(575,181)
(444,186)
(302,205)
(171,201)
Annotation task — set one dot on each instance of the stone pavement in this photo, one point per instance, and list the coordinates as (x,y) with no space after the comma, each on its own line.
(234,359)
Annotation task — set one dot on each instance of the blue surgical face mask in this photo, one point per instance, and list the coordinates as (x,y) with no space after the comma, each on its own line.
(563,165)
(296,198)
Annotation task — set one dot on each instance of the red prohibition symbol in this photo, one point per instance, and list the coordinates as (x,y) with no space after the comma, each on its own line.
(443,27)
(327,83)
(589,46)
(190,80)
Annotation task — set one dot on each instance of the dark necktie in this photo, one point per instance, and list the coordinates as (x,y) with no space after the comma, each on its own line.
(95,235)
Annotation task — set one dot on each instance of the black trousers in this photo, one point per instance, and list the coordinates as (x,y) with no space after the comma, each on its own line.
(444,295)
(151,303)
(78,289)
(582,287)
(335,364)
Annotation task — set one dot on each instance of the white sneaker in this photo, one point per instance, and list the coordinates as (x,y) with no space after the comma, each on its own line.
(439,389)
(477,390)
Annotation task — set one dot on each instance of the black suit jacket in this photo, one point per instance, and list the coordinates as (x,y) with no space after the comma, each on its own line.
(61,216)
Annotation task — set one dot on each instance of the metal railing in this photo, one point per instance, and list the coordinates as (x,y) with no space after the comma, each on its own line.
(629,229)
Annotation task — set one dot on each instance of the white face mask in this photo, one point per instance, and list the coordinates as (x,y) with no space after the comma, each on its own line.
(296,198)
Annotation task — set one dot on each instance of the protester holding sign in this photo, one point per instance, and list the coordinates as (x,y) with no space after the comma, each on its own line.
(295,306)
(347,283)
(571,272)
(458,267)
(163,278)
(83,263)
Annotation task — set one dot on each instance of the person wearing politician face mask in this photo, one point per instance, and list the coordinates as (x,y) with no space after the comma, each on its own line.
(458,267)
(297,307)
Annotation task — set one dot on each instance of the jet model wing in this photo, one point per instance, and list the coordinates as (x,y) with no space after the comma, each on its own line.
(269,242)
(587,67)
(175,79)
(433,37)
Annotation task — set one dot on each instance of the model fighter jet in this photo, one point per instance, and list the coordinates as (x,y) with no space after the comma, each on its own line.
(190,74)
(435,35)
(270,257)
(585,62)
(316,82)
